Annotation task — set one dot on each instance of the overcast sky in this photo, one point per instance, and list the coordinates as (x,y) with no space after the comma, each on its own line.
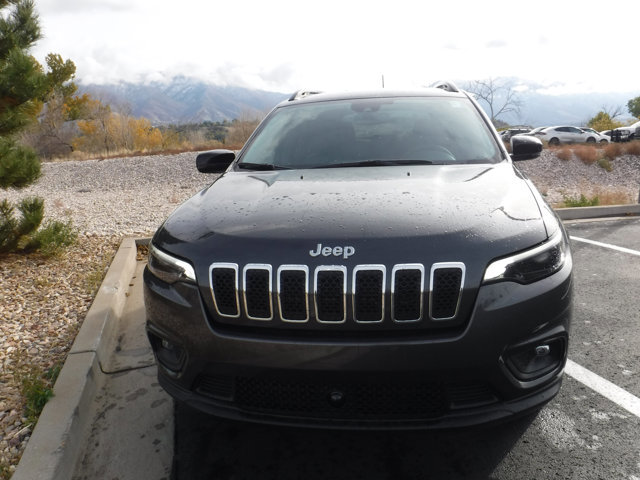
(281,45)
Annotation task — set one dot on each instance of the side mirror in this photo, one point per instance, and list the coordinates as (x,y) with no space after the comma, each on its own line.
(214,161)
(524,147)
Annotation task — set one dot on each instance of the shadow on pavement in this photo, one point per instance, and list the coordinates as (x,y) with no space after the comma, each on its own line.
(210,448)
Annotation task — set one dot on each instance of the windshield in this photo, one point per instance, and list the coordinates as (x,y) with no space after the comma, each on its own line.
(372,132)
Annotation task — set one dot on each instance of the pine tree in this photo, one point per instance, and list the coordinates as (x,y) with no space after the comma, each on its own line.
(24,87)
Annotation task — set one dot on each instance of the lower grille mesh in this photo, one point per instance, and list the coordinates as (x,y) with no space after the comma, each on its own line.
(425,399)
(359,401)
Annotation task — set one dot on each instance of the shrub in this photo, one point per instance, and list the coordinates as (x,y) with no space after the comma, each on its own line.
(632,148)
(582,201)
(612,151)
(13,231)
(587,154)
(22,234)
(615,197)
(52,238)
(36,386)
(564,153)
(605,163)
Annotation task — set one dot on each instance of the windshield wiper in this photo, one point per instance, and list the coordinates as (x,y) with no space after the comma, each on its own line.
(376,163)
(260,166)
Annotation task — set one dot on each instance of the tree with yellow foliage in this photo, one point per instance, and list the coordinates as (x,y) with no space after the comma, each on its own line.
(106,132)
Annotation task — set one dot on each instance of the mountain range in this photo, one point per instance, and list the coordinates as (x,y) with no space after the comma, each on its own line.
(185,100)
(188,100)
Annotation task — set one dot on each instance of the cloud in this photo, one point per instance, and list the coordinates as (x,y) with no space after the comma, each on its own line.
(57,7)
(496,44)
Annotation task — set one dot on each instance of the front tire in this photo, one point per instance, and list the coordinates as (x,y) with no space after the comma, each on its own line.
(554,142)
(591,140)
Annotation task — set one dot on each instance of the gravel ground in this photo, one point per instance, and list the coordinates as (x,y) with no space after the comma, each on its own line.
(130,196)
(43,301)
(559,179)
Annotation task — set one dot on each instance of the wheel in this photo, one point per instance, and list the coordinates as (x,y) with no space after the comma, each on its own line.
(604,140)
(554,141)
(591,140)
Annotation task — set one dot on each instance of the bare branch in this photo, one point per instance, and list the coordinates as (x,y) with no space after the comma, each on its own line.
(499,96)
(613,111)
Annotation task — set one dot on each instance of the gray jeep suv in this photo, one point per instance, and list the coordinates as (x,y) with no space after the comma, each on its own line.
(367,260)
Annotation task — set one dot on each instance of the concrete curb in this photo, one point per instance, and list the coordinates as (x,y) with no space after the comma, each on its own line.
(579,213)
(58,439)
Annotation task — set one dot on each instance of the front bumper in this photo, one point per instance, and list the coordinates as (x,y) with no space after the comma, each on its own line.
(409,382)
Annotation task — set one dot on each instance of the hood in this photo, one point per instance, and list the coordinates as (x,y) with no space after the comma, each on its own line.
(420,213)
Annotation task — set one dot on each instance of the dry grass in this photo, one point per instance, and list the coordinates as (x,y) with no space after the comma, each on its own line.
(597,197)
(632,148)
(615,197)
(79,155)
(564,153)
(612,150)
(597,153)
(588,154)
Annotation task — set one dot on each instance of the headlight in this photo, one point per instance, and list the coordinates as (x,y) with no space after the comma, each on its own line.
(531,265)
(169,269)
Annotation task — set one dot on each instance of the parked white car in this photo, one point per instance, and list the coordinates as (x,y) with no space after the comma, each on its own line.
(565,134)
(600,137)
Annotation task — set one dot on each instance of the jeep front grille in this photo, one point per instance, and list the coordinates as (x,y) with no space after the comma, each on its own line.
(334,296)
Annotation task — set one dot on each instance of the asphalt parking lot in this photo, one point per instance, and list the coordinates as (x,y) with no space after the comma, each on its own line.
(591,430)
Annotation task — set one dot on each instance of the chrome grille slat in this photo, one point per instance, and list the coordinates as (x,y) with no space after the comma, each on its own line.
(257,291)
(407,287)
(293,293)
(369,282)
(223,278)
(445,289)
(330,293)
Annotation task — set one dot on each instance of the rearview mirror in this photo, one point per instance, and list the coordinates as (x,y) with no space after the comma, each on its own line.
(524,147)
(214,161)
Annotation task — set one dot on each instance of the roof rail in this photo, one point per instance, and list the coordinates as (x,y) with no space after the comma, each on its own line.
(302,94)
(446,85)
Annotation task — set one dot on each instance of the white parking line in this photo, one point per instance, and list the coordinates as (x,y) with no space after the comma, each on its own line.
(617,395)
(606,245)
